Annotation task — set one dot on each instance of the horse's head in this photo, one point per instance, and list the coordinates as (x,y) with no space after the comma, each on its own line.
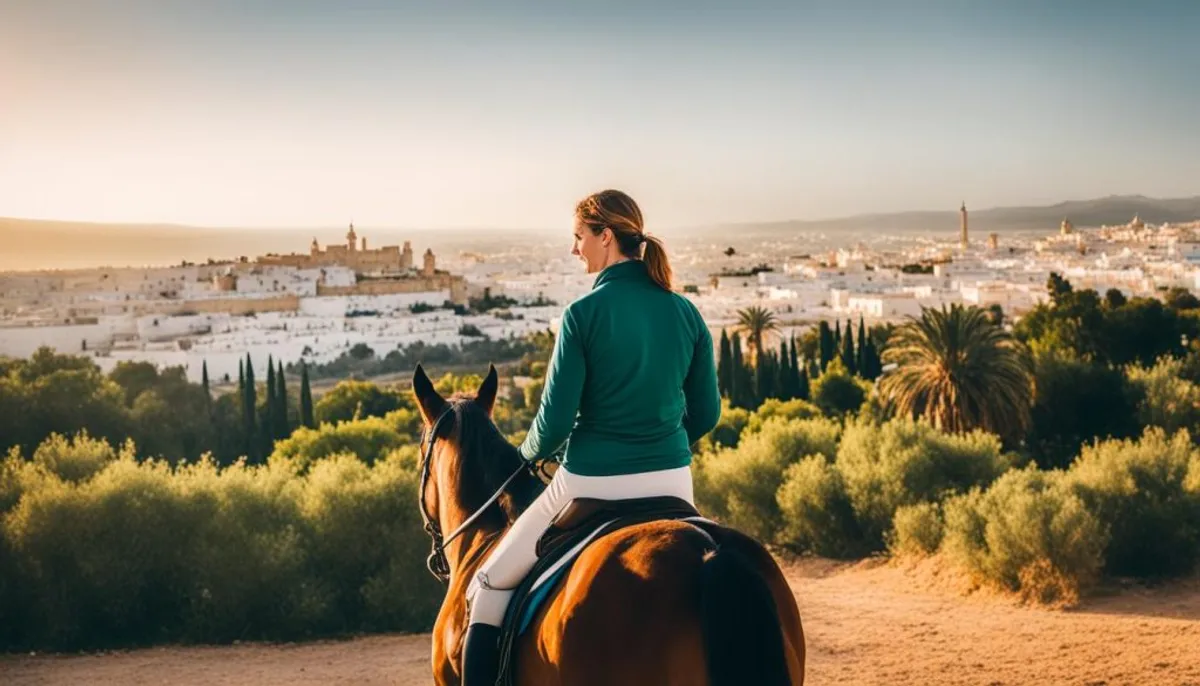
(465,459)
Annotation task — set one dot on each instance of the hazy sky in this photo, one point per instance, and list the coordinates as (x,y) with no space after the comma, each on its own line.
(502,114)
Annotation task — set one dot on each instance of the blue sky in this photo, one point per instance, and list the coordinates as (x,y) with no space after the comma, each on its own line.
(503,114)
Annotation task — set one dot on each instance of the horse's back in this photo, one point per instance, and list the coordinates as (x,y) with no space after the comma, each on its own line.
(630,611)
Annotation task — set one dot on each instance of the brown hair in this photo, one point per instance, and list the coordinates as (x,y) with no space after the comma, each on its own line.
(614,210)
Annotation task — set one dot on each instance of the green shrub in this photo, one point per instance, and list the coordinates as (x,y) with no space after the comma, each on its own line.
(370,439)
(904,462)
(1027,533)
(146,552)
(368,542)
(1164,398)
(75,459)
(785,409)
(101,559)
(917,530)
(730,425)
(817,515)
(350,400)
(739,485)
(247,561)
(837,392)
(1138,490)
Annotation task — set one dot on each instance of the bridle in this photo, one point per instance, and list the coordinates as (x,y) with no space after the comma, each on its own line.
(438,564)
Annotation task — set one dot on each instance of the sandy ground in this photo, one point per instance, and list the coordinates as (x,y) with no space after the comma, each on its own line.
(867,623)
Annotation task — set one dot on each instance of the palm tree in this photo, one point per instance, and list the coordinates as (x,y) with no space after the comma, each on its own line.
(959,371)
(758,323)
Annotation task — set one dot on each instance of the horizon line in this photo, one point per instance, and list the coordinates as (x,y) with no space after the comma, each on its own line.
(464,228)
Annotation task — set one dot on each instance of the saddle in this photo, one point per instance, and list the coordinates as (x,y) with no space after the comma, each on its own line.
(580,522)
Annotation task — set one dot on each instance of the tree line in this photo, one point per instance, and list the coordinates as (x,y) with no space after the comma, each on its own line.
(750,374)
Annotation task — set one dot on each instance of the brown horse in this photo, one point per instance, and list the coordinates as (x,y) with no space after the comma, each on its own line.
(651,603)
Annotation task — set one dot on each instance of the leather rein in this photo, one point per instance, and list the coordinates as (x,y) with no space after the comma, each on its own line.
(437,563)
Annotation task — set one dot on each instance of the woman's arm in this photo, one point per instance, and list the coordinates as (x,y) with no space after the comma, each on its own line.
(560,397)
(700,390)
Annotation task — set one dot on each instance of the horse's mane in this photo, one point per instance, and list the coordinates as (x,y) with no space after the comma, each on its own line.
(486,459)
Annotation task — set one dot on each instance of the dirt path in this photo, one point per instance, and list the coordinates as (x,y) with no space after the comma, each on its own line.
(869,623)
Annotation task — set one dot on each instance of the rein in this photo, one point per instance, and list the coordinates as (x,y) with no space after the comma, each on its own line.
(437,563)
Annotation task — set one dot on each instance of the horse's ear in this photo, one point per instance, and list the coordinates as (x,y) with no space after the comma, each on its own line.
(486,396)
(431,402)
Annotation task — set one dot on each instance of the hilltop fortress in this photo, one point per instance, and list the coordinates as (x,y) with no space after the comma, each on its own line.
(379,271)
(390,259)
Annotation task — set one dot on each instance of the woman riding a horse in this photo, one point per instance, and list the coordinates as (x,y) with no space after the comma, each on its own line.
(632,384)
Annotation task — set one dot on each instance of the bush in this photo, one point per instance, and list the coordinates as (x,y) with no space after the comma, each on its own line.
(730,425)
(75,459)
(1028,533)
(351,400)
(817,515)
(1139,491)
(368,543)
(917,530)
(906,461)
(785,409)
(739,485)
(147,552)
(1164,398)
(370,439)
(838,392)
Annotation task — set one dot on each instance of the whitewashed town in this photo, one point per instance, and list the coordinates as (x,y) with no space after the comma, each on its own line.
(316,305)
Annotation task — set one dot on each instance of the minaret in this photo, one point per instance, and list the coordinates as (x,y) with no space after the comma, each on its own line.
(963,225)
(406,256)
(351,238)
(430,266)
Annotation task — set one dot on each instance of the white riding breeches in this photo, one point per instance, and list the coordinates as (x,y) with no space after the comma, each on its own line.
(493,585)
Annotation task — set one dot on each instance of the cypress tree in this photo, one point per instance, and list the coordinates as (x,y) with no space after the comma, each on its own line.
(872,365)
(249,412)
(825,345)
(848,350)
(814,369)
(799,380)
(241,382)
(737,383)
(860,358)
(306,403)
(204,378)
(272,398)
(837,335)
(724,366)
(783,373)
(764,378)
(281,407)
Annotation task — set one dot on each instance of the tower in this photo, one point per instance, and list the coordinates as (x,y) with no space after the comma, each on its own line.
(1066,228)
(406,256)
(315,248)
(430,263)
(962,213)
(994,241)
(351,238)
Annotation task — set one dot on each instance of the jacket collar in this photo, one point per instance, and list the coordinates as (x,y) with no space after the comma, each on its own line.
(621,271)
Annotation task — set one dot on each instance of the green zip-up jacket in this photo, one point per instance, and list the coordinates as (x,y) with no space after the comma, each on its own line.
(631,382)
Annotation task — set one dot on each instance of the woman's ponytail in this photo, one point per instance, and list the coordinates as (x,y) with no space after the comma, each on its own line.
(657,265)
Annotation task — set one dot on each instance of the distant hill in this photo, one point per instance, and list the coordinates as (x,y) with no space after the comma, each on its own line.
(66,245)
(1116,209)
(74,245)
